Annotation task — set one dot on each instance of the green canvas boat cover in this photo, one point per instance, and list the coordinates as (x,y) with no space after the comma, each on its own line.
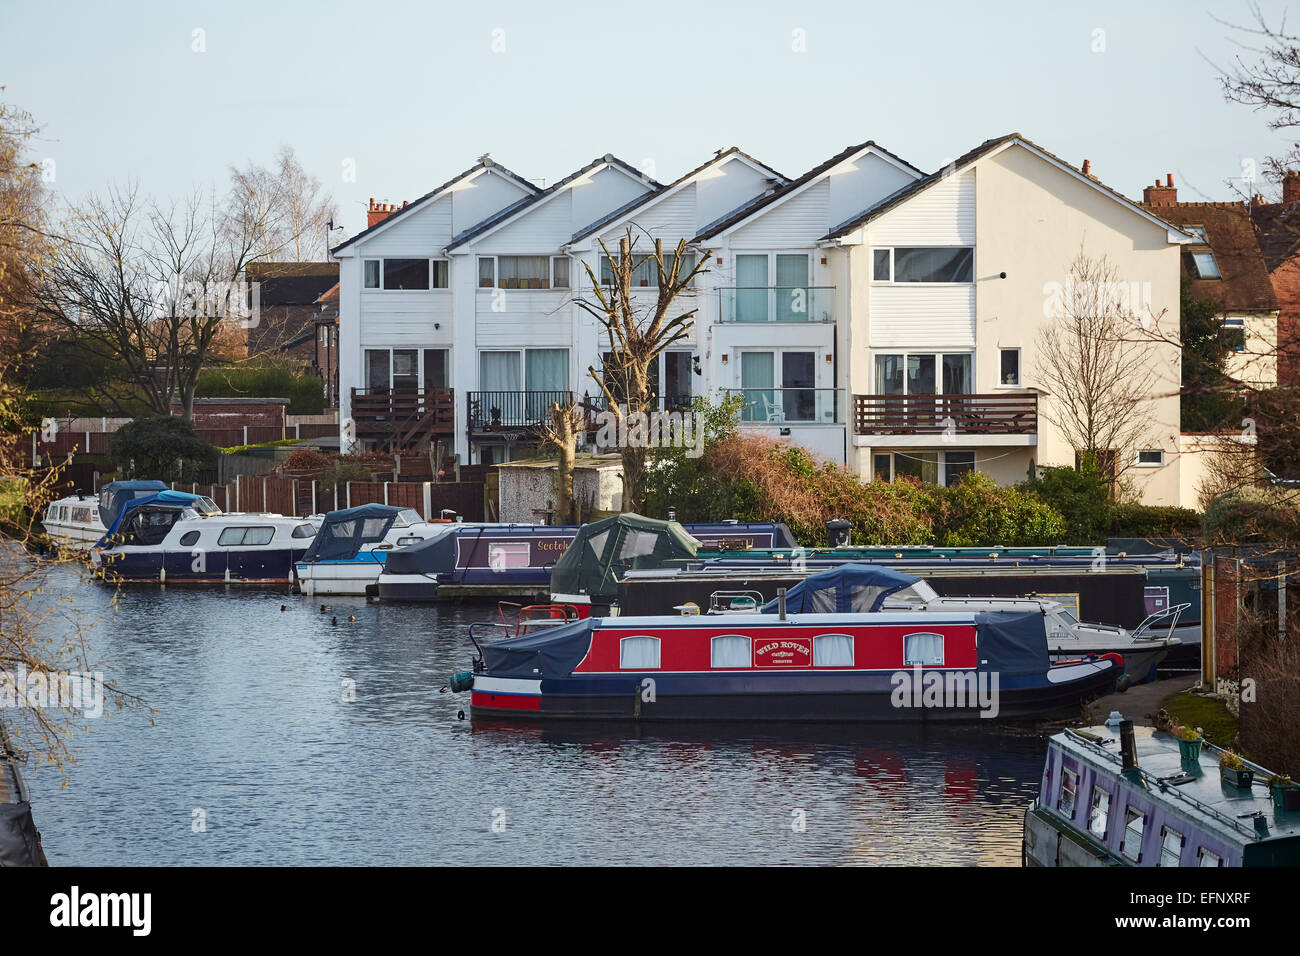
(604,550)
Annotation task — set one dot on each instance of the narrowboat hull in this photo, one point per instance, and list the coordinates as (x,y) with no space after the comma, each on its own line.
(786,698)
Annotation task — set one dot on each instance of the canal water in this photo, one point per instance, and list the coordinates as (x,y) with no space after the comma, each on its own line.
(297,741)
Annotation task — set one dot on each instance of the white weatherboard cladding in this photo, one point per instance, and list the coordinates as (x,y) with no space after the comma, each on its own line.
(669,219)
(797,221)
(725,188)
(915,316)
(480,197)
(419,232)
(406,318)
(858,184)
(942,215)
(529,318)
(538,230)
(597,194)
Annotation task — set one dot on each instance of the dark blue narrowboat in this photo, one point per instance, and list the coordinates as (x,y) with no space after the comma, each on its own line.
(494,561)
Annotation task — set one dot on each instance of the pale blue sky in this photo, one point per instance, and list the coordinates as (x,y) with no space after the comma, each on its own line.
(414,92)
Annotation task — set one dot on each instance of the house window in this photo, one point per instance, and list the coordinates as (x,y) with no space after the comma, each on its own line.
(1205,265)
(880,467)
(936,264)
(729,650)
(399,369)
(880,265)
(559,272)
(1069,786)
(1205,858)
(1150,457)
(1197,232)
(1099,812)
(487,272)
(1134,821)
(1234,334)
(638,653)
(921,373)
(923,649)
(794,399)
(646,274)
(1171,846)
(406,274)
(957,464)
(1009,366)
(833,650)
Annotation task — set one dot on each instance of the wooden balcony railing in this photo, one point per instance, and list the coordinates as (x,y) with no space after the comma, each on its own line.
(1014,414)
(407,419)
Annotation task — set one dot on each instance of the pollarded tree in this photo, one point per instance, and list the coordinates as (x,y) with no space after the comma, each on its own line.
(638,328)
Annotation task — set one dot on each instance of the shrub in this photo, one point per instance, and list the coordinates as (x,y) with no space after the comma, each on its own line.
(1251,515)
(341,472)
(265,379)
(1153,521)
(1080,496)
(162,448)
(976,511)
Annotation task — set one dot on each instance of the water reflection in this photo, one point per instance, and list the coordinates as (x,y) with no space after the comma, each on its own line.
(256,729)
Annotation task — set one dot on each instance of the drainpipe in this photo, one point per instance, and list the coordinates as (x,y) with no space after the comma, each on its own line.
(848,348)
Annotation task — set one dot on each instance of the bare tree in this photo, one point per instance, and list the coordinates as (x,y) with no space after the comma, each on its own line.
(151,288)
(290,207)
(1094,359)
(639,328)
(1266,77)
(562,432)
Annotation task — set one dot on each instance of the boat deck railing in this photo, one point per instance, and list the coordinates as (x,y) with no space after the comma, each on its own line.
(1168,788)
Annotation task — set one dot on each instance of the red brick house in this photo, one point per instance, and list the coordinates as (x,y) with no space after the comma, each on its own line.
(1278,227)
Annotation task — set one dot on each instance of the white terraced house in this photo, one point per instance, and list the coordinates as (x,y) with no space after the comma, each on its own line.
(861,309)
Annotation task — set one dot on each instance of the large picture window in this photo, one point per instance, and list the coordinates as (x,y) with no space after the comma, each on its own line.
(936,264)
(406,274)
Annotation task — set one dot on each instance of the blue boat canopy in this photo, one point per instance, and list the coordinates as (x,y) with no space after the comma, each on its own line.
(858,587)
(164,499)
(114,496)
(343,533)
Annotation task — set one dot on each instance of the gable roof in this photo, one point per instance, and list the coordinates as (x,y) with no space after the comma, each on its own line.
(983,151)
(795,185)
(660,193)
(484,164)
(528,202)
(291,283)
(1245,284)
(1277,228)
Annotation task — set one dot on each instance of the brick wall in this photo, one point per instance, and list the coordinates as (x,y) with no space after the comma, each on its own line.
(1286,284)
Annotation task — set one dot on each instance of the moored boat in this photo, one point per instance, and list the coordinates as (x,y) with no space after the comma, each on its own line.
(866,666)
(1132,796)
(348,552)
(175,538)
(78,521)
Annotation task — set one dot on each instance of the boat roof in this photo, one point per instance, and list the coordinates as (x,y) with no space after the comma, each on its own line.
(602,550)
(1204,798)
(165,498)
(342,533)
(855,587)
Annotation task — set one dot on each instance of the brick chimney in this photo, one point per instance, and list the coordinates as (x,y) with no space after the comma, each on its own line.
(1158,195)
(379,211)
(1291,186)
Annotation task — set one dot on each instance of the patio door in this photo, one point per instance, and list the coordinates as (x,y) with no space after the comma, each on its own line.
(751,288)
(791,398)
(791,303)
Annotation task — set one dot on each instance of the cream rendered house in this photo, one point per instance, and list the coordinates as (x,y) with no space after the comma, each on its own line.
(950,281)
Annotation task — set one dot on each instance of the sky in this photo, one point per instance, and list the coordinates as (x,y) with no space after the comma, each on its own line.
(390,99)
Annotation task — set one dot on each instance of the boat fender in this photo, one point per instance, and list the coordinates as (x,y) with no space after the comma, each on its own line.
(1123,683)
(462,682)
(1119,661)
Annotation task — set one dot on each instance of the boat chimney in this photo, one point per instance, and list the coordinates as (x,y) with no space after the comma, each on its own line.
(780,604)
(1127,746)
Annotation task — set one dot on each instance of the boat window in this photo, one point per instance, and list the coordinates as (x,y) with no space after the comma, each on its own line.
(1171,846)
(1206,858)
(1069,786)
(597,544)
(374,527)
(407,516)
(508,554)
(304,531)
(189,538)
(637,544)
(81,514)
(924,649)
(638,653)
(1134,822)
(730,650)
(248,536)
(823,601)
(343,529)
(1099,814)
(832,650)
(409,539)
